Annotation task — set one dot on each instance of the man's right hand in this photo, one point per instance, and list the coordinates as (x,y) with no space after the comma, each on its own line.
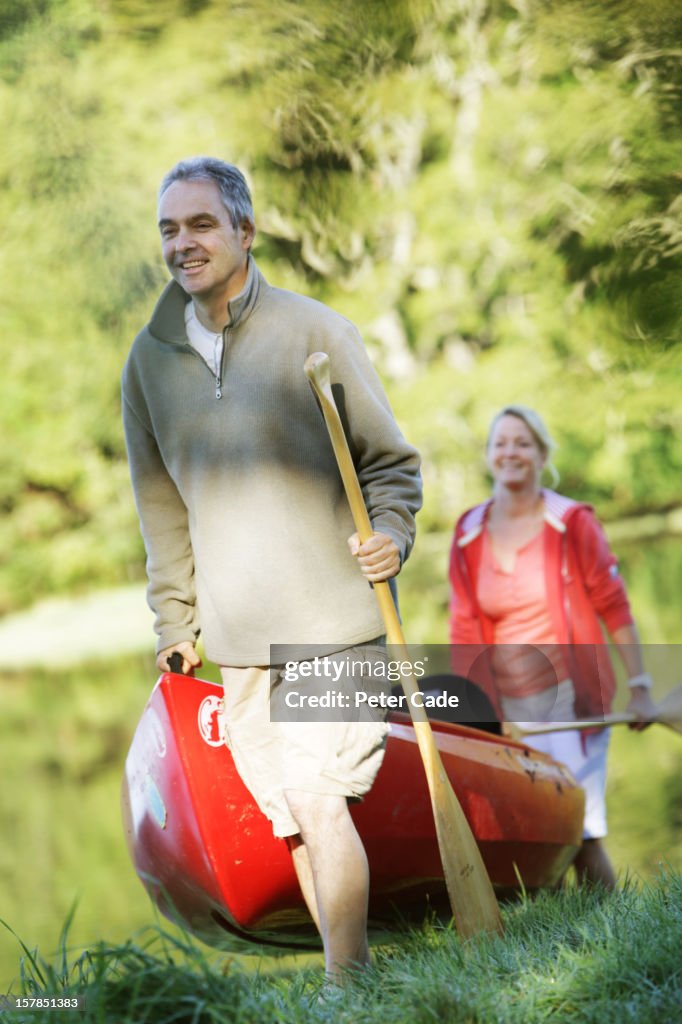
(190,658)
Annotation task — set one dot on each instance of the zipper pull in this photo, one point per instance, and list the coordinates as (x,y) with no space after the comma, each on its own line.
(218,348)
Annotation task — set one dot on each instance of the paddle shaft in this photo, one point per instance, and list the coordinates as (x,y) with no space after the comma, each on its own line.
(668,712)
(472,899)
(541,728)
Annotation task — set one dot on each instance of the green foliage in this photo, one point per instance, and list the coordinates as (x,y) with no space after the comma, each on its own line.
(490,190)
(634,802)
(15,14)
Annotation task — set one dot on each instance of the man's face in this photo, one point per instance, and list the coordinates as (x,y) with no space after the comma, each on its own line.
(205,254)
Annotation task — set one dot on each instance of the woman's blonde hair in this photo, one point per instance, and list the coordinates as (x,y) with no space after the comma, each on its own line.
(538,429)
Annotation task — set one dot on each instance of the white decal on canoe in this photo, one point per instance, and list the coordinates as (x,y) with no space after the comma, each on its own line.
(157,732)
(210,721)
(155,802)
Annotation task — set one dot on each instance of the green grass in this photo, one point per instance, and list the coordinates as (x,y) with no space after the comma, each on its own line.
(572,956)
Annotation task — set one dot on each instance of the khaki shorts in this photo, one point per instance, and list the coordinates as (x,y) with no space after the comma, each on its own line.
(326,756)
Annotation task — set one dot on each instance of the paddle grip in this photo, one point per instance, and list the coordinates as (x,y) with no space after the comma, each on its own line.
(175,661)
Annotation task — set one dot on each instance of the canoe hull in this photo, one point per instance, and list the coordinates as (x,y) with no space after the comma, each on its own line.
(207,856)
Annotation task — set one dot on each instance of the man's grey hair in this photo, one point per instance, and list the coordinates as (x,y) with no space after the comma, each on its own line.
(230,181)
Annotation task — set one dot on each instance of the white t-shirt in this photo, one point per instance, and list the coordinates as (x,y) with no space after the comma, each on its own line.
(208,344)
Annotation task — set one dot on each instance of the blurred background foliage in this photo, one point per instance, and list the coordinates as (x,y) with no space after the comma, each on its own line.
(491,190)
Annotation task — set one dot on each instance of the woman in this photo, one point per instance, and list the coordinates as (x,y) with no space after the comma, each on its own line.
(532,577)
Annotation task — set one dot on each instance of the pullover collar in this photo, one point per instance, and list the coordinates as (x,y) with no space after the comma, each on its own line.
(241,306)
(168,319)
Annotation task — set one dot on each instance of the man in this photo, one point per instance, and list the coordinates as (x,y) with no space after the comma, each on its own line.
(245,521)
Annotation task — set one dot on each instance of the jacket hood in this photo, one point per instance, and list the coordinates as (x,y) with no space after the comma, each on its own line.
(558,510)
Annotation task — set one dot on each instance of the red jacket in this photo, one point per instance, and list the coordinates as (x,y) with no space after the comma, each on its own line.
(583,587)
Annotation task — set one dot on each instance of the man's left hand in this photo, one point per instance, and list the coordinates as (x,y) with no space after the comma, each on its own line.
(378,557)
(642,706)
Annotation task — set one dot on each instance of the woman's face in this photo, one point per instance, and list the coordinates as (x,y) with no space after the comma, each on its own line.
(514,456)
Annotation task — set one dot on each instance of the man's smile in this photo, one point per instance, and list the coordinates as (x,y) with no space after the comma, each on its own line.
(192,264)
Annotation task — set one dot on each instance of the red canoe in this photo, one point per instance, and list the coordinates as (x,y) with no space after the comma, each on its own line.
(208,858)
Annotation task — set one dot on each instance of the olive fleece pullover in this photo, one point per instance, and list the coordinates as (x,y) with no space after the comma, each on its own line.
(241,505)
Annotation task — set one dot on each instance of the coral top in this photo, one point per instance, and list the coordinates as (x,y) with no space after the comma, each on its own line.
(516,603)
(583,590)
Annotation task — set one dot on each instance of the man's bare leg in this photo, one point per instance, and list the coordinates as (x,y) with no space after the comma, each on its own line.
(340,876)
(592,864)
(304,873)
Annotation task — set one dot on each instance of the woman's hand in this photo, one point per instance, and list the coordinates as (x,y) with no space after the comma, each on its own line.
(641,705)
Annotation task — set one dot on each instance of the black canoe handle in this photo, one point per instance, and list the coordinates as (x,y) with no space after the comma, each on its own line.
(175,661)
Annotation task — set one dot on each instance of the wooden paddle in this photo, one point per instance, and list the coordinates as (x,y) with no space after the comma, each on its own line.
(472,899)
(668,712)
